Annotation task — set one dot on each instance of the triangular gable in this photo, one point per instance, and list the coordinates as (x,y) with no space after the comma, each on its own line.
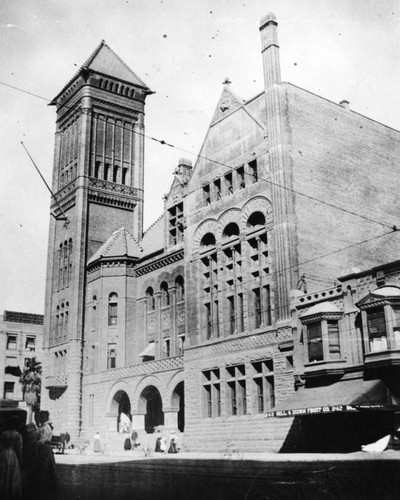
(228,102)
(105,61)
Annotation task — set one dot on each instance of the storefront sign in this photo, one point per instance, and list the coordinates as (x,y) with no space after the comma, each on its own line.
(313,411)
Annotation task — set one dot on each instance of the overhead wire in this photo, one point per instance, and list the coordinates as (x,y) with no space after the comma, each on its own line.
(268,181)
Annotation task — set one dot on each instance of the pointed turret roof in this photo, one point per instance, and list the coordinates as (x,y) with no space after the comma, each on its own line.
(106,62)
(120,244)
(227,103)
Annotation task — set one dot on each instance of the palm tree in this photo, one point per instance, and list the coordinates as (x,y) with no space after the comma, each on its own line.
(31,380)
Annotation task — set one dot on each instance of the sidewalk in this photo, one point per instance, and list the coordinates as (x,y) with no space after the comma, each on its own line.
(89,457)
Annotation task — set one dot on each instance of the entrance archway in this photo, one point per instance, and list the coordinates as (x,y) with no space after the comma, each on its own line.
(178,400)
(121,408)
(151,400)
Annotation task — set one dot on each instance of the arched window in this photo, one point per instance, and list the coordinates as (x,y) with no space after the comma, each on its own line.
(164,294)
(150,299)
(122,89)
(231,231)
(208,241)
(132,92)
(256,221)
(112,309)
(180,289)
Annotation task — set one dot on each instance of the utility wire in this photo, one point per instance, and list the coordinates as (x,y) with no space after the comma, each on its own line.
(268,181)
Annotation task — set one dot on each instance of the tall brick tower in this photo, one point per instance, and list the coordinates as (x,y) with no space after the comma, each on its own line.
(98,187)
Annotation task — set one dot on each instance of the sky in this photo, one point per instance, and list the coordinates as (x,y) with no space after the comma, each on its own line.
(183,50)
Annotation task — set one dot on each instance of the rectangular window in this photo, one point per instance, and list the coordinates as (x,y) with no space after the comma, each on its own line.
(206,195)
(240,178)
(263,379)
(217,189)
(211,393)
(236,393)
(207,310)
(314,342)
(333,338)
(232,317)
(377,330)
(181,344)
(8,392)
(257,308)
(112,356)
(167,348)
(240,313)
(253,171)
(229,183)
(267,301)
(12,342)
(11,361)
(30,344)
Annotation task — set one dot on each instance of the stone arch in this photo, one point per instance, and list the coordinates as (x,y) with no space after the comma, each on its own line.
(147,284)
(230,216)
(175,401)
(149,402)
(257,204)
(208,226)
(118,403)
(146,381)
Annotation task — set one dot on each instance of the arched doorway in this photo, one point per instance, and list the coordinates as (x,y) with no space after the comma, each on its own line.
(152,401)
(178,400)
(121,408)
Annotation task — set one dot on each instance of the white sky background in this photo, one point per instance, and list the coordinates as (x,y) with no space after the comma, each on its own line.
(183,50)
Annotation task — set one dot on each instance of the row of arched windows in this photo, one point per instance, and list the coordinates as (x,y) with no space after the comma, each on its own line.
(229,280)
(165,293)
(64,264)
(117,88)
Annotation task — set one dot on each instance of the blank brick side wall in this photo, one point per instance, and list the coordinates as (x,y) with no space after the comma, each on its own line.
(349,161)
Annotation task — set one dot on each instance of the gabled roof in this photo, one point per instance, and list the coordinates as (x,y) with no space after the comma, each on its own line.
(227,103)
(120,244)
(104,60)
(380,295)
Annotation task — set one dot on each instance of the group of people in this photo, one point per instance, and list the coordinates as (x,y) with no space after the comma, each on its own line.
(162,444)
(27,465)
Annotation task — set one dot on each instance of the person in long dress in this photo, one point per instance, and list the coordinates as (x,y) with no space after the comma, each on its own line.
(160,443)
(173,443)
(47,477)
(10,468)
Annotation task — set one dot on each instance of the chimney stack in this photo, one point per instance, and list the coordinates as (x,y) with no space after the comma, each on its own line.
(270,50)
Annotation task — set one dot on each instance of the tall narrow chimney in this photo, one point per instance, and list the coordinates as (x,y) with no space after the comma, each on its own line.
(270,50)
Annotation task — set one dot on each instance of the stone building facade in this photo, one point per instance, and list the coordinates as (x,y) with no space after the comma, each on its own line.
(21,337)
(193,324)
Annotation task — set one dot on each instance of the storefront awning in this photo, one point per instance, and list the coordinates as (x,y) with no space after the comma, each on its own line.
(148,352)
(343,396)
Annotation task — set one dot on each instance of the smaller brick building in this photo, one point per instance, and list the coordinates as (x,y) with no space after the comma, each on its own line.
(21,337)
